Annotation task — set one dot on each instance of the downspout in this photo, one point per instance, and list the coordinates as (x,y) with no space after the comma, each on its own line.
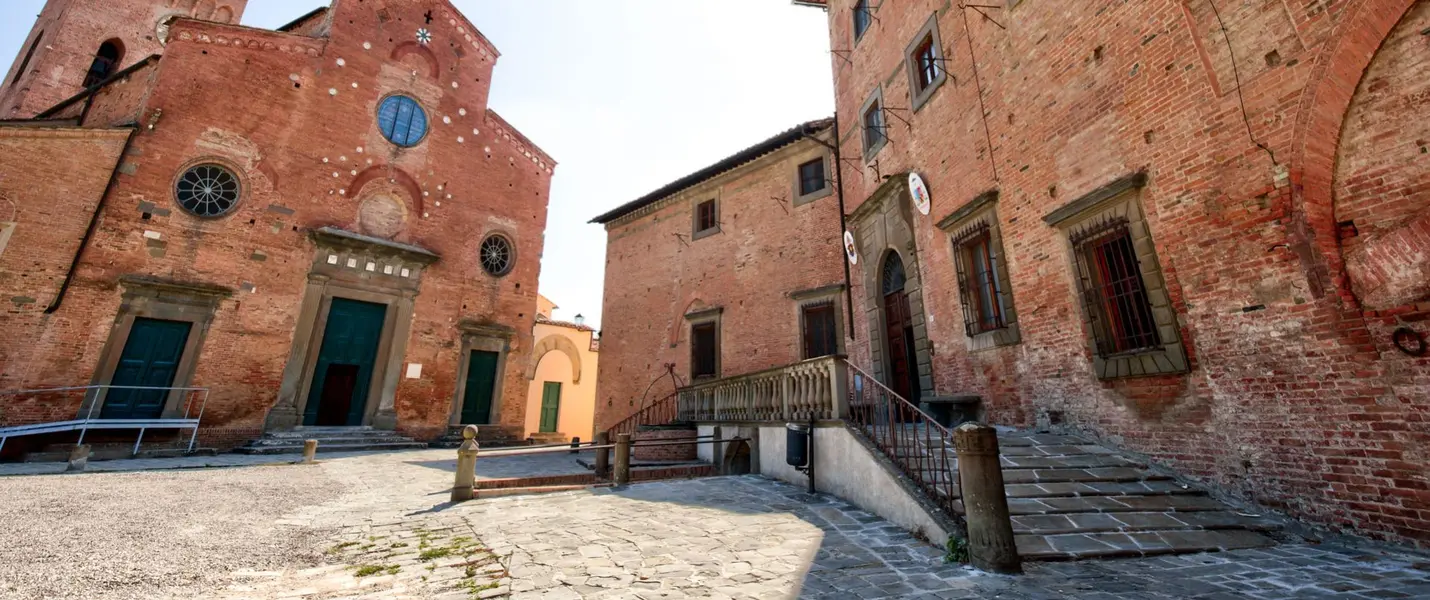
(93,224)
(843,221)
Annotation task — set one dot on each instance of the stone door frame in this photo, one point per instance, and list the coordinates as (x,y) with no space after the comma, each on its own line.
(154,298)
(884,223)
(354,267)
(481,337)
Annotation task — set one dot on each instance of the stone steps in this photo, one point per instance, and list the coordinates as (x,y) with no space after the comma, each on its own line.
(330,439)
(1071,499)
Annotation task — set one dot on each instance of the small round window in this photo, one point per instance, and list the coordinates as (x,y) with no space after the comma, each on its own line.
(402,121)
(207,190)
(497,256)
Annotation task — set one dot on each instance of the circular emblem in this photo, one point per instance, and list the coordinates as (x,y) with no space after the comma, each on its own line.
(920,193)
(424,37)
(849,249)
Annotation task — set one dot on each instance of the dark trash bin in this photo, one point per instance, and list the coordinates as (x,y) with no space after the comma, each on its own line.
(797,444)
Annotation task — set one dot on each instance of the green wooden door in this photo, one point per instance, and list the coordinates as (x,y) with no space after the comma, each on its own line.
(550,406)
(481,387)
(342,377)
(150,359)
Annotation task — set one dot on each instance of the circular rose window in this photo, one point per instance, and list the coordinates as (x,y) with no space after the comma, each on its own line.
(497,256)
(207,190)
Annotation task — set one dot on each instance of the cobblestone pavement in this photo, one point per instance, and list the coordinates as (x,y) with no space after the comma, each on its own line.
(381,528)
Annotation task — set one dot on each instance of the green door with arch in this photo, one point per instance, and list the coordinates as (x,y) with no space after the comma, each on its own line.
(550,406)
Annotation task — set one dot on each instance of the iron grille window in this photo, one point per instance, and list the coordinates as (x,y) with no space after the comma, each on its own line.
(811,177)
(705,216)
(1113,290)
(704,351)
(861,18)
(927,62)
(980,289)
(820,336)
(496,255)
(874,127)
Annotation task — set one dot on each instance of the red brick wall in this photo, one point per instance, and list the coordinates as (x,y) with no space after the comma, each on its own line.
(51,180)
(656,274)
(666,453)
(295,116)
(73,32)
(1292,399)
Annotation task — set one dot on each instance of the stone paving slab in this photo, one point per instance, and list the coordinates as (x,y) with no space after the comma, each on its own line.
(389,533)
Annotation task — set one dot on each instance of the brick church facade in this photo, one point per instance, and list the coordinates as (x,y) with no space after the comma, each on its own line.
(322,225)
(1195,230)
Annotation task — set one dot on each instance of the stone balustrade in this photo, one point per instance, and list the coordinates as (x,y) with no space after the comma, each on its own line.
(812,389)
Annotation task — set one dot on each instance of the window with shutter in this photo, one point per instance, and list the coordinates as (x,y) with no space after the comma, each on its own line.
(820,335)
(704,351)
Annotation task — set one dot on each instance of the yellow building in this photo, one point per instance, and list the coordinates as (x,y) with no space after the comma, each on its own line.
(561,395)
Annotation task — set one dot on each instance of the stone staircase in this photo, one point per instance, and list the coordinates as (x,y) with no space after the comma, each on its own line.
(488,436)
(1071,499)
(330,439)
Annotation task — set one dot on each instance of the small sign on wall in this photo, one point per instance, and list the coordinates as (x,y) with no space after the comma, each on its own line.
(849,249)
(414,371)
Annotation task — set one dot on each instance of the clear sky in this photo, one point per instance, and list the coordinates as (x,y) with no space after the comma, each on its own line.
(626,95)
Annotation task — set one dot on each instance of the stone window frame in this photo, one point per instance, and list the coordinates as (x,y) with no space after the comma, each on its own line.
(981,214)
(870,151)
(698,233)
(805,158)
(510,240)
(146,297)
(830,295)
(918,97)
(705,317)
(853,20)
(233,168)
(481,337)
(1121,200)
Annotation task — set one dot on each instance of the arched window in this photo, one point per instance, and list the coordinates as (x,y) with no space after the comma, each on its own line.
(25,64)
(106,62)
(893,274)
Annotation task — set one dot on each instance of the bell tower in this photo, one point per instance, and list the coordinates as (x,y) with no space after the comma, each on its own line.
(78,43)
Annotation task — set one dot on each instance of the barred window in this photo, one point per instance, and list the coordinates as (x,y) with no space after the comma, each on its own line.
(980,284)
(1113,290)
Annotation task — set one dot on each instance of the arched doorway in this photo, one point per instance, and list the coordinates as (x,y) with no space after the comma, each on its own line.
(899,352)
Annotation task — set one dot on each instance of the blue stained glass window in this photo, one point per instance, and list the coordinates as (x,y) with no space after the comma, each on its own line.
(402,120)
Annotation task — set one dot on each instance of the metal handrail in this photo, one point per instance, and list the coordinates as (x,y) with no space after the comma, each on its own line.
(84,418)
(908,436)
(661,412)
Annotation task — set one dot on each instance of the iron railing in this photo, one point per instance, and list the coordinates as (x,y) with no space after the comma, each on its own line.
(660,412)
(195,400)
(910,438)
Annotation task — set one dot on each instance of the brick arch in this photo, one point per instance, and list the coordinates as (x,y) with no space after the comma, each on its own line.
(1339,68)
(205,10)
(406,49)
(224,14)
(555,343)
(394,175)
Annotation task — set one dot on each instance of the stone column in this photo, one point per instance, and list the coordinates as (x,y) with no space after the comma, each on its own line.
(623,458)
(464,487)
(603,456)
(990,530)
(386,415)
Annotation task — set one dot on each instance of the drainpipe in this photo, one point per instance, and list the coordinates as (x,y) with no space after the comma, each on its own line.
(93,224)
(843,222)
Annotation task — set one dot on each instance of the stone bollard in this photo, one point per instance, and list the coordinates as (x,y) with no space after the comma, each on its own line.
(79,459)
(310,451)
(463,489)
(990,530)
(623,458)
(603,456)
